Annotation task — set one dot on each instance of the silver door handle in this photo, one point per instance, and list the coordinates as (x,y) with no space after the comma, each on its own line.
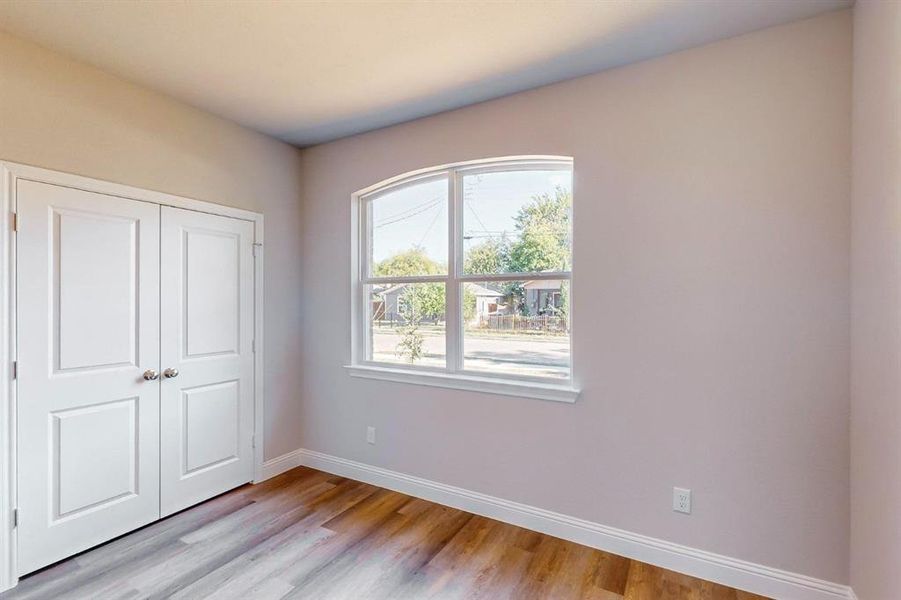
(150,375)
(170,373)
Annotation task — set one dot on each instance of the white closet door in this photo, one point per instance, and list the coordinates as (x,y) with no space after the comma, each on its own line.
(206,408)
(88,328)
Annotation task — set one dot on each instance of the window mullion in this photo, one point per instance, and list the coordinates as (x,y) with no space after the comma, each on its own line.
(458,265)
(406,279)
(516,276)
(453,315)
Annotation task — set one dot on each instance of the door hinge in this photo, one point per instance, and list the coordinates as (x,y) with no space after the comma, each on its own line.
(15,221)
(253,346)
(255,246)
(15,369)
(15,517)
(253,440)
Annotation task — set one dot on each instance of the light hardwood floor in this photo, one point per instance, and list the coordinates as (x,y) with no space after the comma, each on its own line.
(307,534)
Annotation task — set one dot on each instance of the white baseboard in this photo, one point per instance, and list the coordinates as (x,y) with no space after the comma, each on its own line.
(732,572)
(280,464)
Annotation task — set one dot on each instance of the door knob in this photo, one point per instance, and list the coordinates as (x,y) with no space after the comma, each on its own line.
(150,375)
(170,373)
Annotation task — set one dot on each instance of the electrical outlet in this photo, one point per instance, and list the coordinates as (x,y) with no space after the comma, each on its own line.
(682,500)
(370,435)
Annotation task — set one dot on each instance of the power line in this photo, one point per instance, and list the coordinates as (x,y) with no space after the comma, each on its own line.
(475,214)
(414,208)
(432,224)
(409,213)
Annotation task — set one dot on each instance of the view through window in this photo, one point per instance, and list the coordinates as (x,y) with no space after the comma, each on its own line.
(469,269)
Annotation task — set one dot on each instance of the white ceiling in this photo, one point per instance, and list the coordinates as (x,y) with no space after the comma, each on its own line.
(309,72)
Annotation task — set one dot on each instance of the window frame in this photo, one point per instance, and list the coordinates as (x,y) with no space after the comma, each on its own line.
(453,374)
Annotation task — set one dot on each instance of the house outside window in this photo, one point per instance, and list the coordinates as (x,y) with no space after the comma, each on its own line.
(464,273)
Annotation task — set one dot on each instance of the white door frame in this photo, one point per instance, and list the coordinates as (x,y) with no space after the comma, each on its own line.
(10,172)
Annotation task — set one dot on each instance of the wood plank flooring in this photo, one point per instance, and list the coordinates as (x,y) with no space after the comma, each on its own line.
(307,534)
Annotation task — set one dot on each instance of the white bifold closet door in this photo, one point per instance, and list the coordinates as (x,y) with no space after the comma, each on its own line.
(135,365)
(88,423)
(206,410)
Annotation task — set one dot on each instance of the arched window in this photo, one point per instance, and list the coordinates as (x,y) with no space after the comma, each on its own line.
(462,277)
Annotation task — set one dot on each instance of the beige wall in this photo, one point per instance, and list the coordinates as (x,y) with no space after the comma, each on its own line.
(876,307)
(712,232)
(65,115)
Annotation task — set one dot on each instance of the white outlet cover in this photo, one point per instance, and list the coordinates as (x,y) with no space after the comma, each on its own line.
(370,435)
(682,500)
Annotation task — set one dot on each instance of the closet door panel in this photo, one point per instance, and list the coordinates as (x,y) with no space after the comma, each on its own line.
(88,329)
(207,335)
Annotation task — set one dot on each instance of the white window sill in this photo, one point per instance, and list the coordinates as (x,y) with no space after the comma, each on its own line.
(472,383)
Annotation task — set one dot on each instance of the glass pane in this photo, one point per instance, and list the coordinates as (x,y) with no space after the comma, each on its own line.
(407,324)
(517,327)
(408,230)
(517,222)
